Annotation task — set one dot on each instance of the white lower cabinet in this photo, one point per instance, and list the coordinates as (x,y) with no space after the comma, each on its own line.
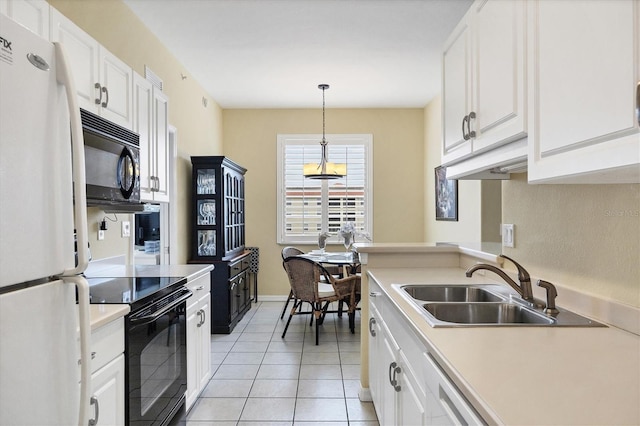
(107,375)
(445,405)
(407,385)
(397,395)
(198,337)
(107,393)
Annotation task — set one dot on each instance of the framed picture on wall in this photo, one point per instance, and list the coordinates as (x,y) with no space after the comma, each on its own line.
(446,196)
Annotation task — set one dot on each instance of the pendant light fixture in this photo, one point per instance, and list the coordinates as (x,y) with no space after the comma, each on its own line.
(324,170)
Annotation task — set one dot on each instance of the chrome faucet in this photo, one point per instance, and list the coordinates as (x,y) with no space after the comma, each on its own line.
(523,289)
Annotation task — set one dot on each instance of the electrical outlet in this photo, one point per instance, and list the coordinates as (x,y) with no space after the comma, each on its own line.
(126,229)
(100,235)
(508,235)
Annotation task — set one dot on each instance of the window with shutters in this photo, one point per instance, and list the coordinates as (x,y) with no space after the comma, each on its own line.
(307,207)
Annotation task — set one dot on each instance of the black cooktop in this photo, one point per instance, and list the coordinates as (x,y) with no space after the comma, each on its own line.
(136,291)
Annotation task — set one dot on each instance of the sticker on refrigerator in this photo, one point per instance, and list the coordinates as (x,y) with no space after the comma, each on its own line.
(6,52)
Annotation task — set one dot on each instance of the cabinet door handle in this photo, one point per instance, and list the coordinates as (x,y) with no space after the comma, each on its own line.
(638,102)
(372,322)
(106,92)
(204,316)
(470,133)
(200,288)
(393,368)
(94,421)
(464,134)
(374,294)
(98,100)
(199,314)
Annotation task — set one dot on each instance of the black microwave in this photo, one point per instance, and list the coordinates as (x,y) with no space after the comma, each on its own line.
(112,163)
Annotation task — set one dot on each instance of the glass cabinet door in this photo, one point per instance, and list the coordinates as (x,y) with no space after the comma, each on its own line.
(206,212)
(206,243)
(217,208)
(206,181)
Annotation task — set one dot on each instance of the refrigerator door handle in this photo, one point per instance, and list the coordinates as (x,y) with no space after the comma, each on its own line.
(65,77)
(85,346)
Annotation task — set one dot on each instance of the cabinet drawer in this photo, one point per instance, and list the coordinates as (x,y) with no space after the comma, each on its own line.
(107,342)
(199,287)
(239,265)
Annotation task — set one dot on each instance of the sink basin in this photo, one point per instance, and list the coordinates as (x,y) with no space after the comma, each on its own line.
(486,313)
(482,305)
(451,293)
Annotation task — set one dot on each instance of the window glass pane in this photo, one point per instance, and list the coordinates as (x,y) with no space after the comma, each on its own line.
(311,206)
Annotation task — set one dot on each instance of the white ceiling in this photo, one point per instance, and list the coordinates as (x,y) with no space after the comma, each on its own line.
(274,53)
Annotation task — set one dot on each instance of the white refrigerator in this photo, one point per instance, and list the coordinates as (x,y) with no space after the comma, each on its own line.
(44,325)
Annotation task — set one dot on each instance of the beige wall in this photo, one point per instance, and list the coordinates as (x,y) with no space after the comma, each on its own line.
(250,140)
(113,243)
(199,128)
(586,237)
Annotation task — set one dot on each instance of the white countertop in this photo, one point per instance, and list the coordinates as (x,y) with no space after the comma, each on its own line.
(529,375)
(103,314)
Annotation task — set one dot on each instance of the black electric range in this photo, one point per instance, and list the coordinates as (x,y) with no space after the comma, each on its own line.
(138,292)
(155,342)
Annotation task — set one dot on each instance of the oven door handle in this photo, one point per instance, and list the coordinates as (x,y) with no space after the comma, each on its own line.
(151,318)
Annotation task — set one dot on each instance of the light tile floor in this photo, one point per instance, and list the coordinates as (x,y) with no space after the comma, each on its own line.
(261,379)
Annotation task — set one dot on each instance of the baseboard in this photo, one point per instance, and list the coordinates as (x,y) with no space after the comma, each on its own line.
(364,394)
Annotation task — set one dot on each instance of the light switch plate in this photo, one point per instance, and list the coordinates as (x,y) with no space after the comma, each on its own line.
(508,235)
(126,229)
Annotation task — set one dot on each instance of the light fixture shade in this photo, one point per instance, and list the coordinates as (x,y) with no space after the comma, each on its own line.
(329,171)
(325,169)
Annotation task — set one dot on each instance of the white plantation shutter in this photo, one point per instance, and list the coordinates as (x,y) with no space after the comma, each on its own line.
(307,207)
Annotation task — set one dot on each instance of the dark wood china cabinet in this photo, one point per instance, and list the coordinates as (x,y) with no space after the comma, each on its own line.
(218,236)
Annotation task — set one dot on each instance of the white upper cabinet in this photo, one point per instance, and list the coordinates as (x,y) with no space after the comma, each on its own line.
(499,90)
(150,121)
(584,76)
(103,82)
(484,96)
(33,14)
(142,107)
(161,142)
(456,92)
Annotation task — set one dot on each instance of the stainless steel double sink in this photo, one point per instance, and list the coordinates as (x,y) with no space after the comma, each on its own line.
(464,305)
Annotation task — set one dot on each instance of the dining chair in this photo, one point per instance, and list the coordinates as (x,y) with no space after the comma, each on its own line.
(288,252)
(305,278)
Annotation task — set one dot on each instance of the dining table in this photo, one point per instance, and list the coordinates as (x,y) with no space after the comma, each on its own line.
(346,261)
